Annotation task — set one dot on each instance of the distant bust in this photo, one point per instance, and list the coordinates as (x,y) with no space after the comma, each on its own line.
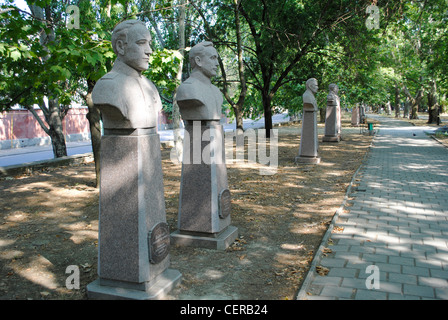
(333,98)
(126,98)
(309,101)
(197,97)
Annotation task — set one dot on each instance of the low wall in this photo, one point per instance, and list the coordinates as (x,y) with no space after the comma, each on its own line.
(19,128)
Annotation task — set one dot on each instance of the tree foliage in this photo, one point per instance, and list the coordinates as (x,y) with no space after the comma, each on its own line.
(268,50)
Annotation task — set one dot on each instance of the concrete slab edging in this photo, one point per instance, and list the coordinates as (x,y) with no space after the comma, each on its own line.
(302,293)
(27,168)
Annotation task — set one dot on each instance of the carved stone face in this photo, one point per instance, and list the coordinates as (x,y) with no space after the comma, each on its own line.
(334,88)
(208,62)
(135,53)
(313,86)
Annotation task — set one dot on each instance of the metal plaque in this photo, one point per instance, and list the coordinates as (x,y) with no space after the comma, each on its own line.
(224,203)
(159,242)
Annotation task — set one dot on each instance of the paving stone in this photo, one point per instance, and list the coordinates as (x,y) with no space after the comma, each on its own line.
(399,223)
(402,278)
(355,283)
(340,292)
(433,282)
(370,295)
(343,272)
(418,290)
(402,261)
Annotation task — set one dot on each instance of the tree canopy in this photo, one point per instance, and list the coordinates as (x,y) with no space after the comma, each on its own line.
(268,49)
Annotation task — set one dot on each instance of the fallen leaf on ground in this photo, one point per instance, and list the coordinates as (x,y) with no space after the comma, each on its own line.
(322,271)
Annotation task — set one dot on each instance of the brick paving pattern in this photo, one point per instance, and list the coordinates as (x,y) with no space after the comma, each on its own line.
(391,240)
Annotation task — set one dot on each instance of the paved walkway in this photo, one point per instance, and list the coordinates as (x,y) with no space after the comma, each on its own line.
(391,241)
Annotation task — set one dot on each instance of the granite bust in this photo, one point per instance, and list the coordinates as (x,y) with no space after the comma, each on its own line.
(126,98)
(332,97)
(333,115)
(204,197)
(133,241)
(309,101)
(308,149)
(197,97)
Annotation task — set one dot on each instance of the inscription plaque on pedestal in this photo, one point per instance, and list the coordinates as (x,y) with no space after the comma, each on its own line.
(159,242)
(224,203)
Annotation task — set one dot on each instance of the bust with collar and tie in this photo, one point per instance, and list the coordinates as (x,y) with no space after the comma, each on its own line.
(197,97)
(126,98)
(308,149)
(204,197)
(134,238)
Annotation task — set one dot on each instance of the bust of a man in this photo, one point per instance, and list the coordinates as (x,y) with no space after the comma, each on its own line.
(333,98)
(309,101)
(197,97)
(126,98)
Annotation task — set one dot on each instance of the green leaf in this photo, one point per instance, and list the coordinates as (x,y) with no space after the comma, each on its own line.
(15,54)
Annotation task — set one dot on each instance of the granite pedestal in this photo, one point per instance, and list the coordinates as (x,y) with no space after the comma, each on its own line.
(308,150)
(134,239)
(355,116)
(332,124)
(204,200)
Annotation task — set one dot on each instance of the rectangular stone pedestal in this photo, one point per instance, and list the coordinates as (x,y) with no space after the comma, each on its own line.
(154,290)
(204,199)
(308,149)
(331,138)
(332,124)
(134,238)
(220,241)
(308,160)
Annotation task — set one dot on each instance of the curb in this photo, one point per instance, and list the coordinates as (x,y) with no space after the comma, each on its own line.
(30,167)
(311,275)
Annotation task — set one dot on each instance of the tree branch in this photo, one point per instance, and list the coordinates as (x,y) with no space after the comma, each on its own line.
(39,120)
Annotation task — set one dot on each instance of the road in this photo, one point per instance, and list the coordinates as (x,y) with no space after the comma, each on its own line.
(17,156)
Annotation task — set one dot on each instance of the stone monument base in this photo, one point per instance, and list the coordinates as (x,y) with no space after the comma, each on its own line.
(331,139)
(308,160)
(217,241)
(156,289)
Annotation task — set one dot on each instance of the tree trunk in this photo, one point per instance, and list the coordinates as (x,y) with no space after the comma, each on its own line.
(415,101)
(267,114)
(55,129)
(415,104)
(406,108)
(53,114)
(432,103)
(238,107)
(322,115)
(178,141)
(238,116)
(94,118)
(397,101)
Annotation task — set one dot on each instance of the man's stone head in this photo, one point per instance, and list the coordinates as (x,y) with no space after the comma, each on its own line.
(333,88)
(311,84)
(204,57)
(131,43)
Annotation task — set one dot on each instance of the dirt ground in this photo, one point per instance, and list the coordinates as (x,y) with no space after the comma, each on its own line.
(49,222)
